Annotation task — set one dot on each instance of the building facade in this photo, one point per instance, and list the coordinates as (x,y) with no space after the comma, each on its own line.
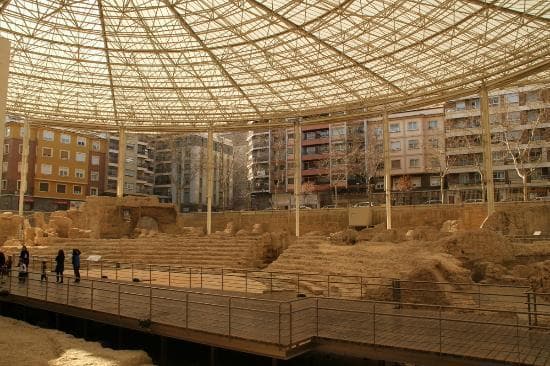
(180,171)
(138,165)
(346,159)
(520,137)
(64,167)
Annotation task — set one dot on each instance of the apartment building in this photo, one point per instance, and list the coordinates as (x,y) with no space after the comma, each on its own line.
(64,167)
(520,135)
(138,165)
(417,149)
(180,171)
(346,158)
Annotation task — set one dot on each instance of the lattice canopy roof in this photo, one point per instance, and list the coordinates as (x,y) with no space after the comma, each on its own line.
(161,64)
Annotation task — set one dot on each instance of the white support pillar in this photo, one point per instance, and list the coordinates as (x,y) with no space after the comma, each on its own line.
(297,174)
(487,153)
(4,70)
(121,162)
(210,180)
(24,166)
(387,168)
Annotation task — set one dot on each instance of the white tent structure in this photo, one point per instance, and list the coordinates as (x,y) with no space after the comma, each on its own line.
(197,65)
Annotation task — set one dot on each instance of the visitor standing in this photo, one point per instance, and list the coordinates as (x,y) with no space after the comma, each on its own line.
(8,265)
(43,274)
(2,265)
(59,266)
(24,255)
(76,265)
(22,272)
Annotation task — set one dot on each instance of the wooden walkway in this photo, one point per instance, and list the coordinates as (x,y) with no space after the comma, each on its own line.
(284,328)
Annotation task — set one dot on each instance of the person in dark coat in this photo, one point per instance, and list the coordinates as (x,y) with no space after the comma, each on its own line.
(24,256)
(3,270)
(76,264)
(59,266)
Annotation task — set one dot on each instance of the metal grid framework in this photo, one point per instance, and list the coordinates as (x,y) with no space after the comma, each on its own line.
(186,65)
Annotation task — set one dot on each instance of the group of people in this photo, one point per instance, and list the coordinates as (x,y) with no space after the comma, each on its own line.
(60,265)
(24,260)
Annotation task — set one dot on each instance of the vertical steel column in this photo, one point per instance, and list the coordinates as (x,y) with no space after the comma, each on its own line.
(210,181)
(24,166)
(487,154)
(121,162)
(297,173)
(4,69)
(387,168)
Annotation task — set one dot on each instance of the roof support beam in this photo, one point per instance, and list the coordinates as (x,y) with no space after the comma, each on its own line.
(4,5)
(108,59)
(492,6)
(211,54)
(299,29)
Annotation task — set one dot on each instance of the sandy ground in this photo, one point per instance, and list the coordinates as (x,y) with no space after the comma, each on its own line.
(24,344)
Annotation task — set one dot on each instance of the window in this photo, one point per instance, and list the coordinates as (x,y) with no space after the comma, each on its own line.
(48,135)
(4,166)
(93,191)
(63,171)
(129,147)
(6,148)
(47,152)
(80,156)
(95,160)
(435,181)
(79,173)
(7,132)
(378,131)
(435,163)
(4,184)
(22,132)
(81,141)
(77,189)
(64,155)
(412,126)
(413,144)
(396,164)
(513,117)
(129,187)
(432,125)
(129,173)
(434,142)
(394,127)
(18,185)
(474,103)
(43,186)
(46,169)
(396,146)
(460,106)
(494,101)
(94,176)
(533,115)
(379,185)
(533,96)
(96,146)
(61,188)
(512,98)
(414,163)
(20,149)
(65,139)
(499,175)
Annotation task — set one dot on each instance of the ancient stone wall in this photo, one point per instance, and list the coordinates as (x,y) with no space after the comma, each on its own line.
(332,220)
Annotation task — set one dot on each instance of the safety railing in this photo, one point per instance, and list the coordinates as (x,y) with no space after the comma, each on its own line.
(446,330)
(345,286)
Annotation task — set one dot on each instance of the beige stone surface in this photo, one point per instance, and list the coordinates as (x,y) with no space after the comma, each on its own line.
(10,225)
(24,344)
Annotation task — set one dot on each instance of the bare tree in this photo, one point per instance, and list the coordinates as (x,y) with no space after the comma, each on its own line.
(522,145)
(440,162)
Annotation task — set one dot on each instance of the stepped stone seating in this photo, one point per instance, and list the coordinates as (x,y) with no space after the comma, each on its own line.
(189,250)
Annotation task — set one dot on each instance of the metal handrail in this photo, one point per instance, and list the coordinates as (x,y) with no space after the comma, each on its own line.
(290,330)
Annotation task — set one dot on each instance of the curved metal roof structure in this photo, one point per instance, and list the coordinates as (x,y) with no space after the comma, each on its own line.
(175,64)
